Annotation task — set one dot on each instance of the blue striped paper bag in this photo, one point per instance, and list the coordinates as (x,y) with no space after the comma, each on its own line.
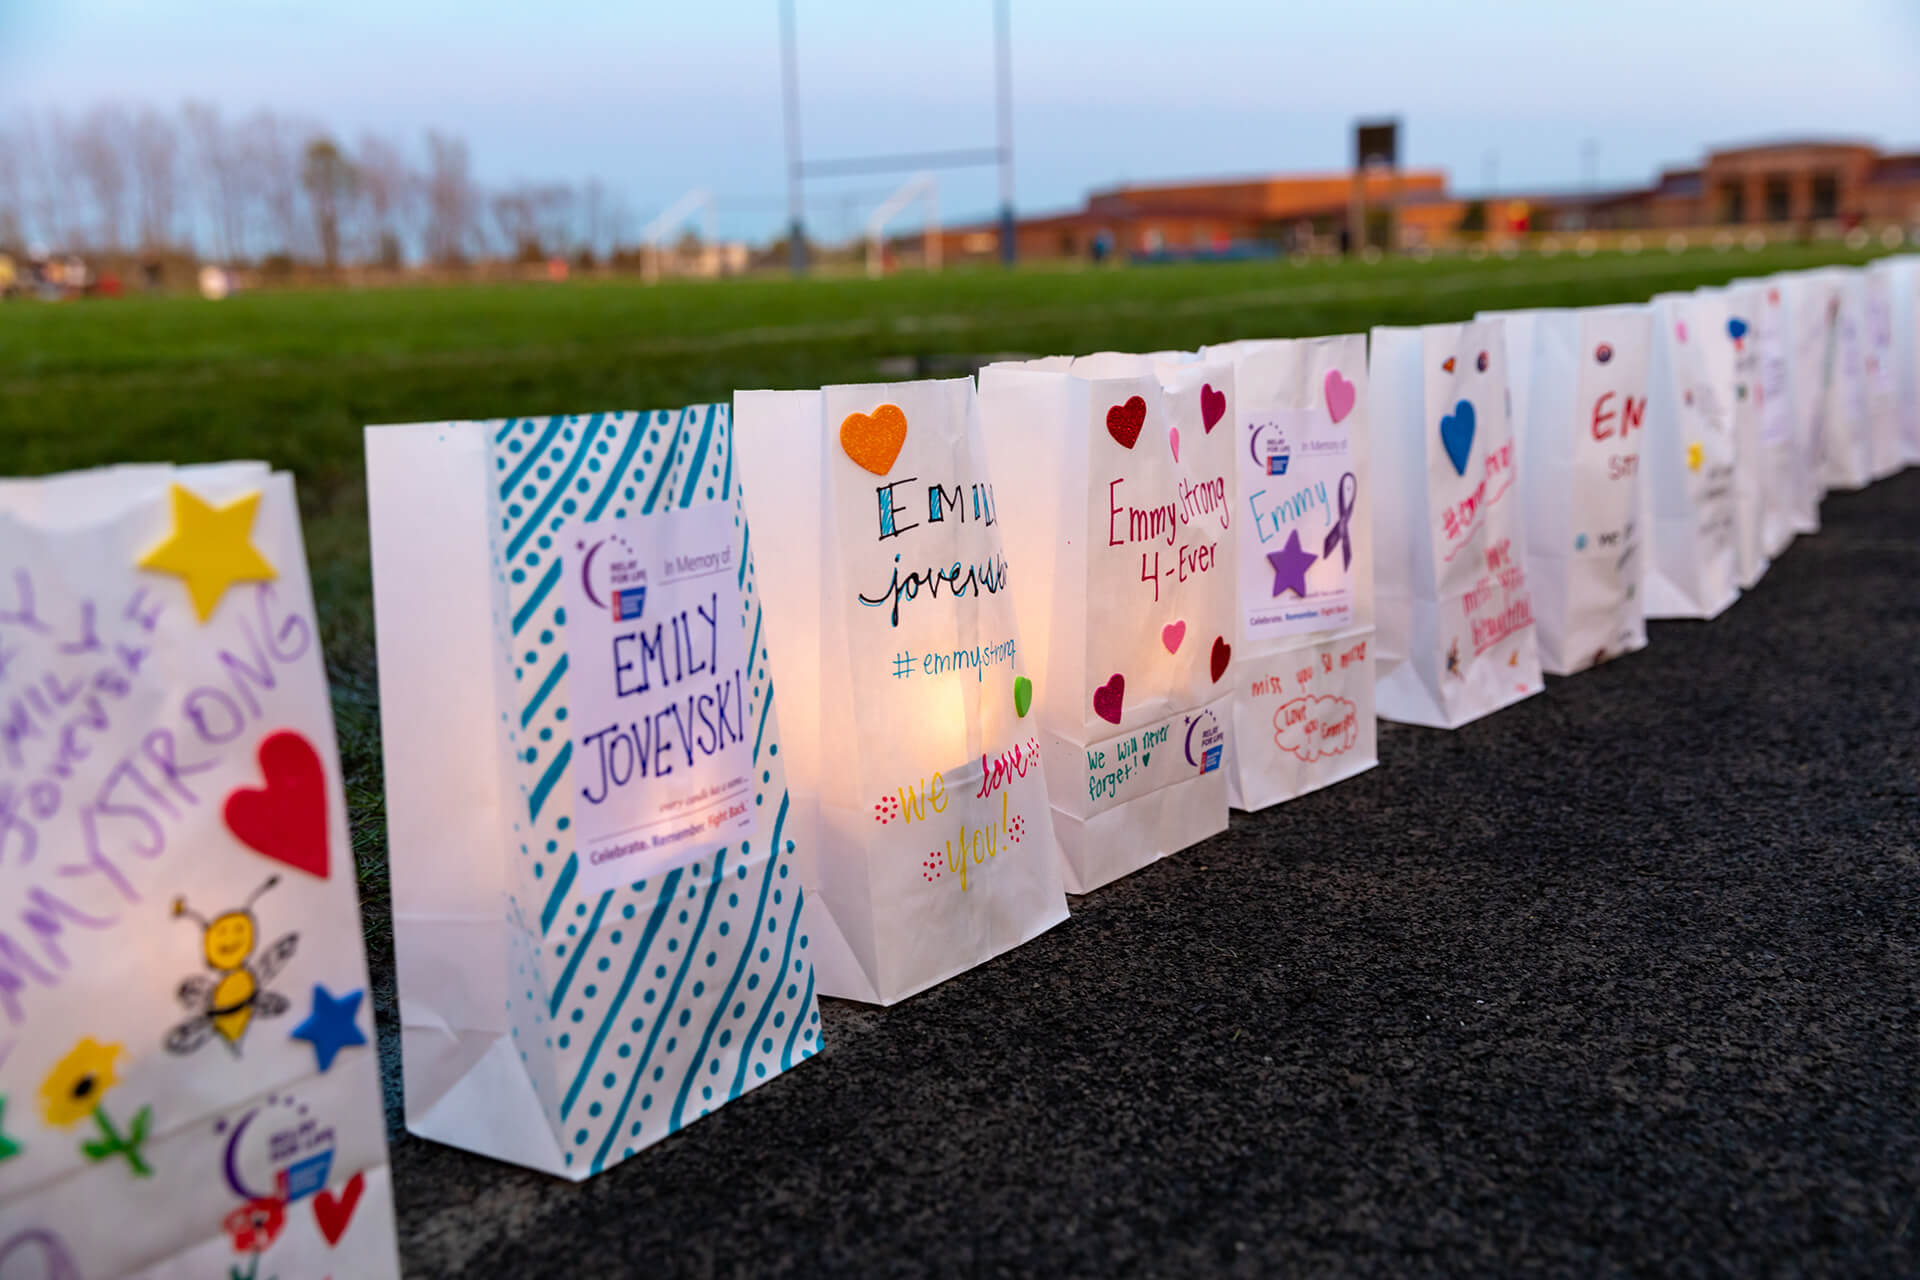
(597,925)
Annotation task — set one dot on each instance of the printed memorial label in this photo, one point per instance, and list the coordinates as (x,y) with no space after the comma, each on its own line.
(1296,550)
(662,760)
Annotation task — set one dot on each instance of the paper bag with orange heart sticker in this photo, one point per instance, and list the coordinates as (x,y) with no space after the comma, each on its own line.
(909,703)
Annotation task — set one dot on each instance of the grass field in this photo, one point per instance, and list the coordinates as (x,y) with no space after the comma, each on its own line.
(292,377)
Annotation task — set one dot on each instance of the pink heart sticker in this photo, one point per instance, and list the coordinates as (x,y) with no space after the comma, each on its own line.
(1172,634)
(1106,699)
(1340,395)
(1173,438)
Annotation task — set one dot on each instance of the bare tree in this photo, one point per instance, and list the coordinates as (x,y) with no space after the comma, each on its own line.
(389,188)
(330,183)
(217,163)
(101,147)
(451,199)
(271,157)
(153,152)
(594,218)
(555,203)
(13,201)
(516,222)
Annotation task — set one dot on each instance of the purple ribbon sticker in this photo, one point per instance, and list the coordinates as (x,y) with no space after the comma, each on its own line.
(1341,535)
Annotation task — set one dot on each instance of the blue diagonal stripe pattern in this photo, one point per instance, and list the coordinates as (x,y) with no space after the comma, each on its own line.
(533,456)
(666,1008)
(559,488)
(525,611)
(675,1119)
(773,988)
(638,995)
(579,949)
(799,1020)
(660,479)
(528,712)
(663,903)
(546,784)
(699,461)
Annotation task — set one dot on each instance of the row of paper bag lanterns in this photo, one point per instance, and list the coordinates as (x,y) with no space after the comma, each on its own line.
(1028,635)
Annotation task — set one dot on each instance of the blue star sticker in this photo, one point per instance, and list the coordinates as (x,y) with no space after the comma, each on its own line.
(1290,565)
(330,1027)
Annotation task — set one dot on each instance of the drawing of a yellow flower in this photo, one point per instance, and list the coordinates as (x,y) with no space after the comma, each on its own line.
(77,1087)
(73,1089)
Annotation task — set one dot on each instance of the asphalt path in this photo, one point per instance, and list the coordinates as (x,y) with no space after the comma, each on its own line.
(1623,978)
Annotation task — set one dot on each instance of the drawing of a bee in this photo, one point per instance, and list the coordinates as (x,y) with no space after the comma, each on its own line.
(235,993)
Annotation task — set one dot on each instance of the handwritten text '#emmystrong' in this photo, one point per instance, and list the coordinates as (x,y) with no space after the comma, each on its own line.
(651,660)
(947,505)
(69,686)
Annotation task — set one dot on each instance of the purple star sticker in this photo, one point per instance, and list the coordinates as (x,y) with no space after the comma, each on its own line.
(1290,565)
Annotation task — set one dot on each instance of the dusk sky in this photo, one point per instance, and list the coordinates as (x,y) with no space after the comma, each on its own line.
(654,99)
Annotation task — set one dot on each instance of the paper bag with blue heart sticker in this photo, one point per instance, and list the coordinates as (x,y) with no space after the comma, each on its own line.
(598,927)
(1733,370)
(1303,674)
(1757,329)
(1455,630)
(187,1075)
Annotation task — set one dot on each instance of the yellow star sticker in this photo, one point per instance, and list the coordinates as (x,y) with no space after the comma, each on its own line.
(1695,456)
(211,548)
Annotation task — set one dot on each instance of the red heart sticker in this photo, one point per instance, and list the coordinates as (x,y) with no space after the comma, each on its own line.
(1213,406)
(287,819)
(1218,659)
(1125,420)
(332,1214)
(1107,698)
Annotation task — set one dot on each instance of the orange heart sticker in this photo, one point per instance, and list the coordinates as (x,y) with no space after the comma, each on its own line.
(873,440)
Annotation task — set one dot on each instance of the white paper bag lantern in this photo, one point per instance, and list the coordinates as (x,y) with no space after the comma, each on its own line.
(1880,357)
(907,688)
(1117,479)
(597,911)
(1454,607)
(1904,289)
(188,1082)
(1303,673)
(1757,311)
(1583,375)
(1731,371)
(1848,425)
(1693,570)
(1812,302)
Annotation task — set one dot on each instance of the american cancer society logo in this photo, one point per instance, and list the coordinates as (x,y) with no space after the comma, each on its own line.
(1268,446)
(1205,734)
(612,577)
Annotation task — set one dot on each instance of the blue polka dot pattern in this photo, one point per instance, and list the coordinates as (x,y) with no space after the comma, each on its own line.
(673,991)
